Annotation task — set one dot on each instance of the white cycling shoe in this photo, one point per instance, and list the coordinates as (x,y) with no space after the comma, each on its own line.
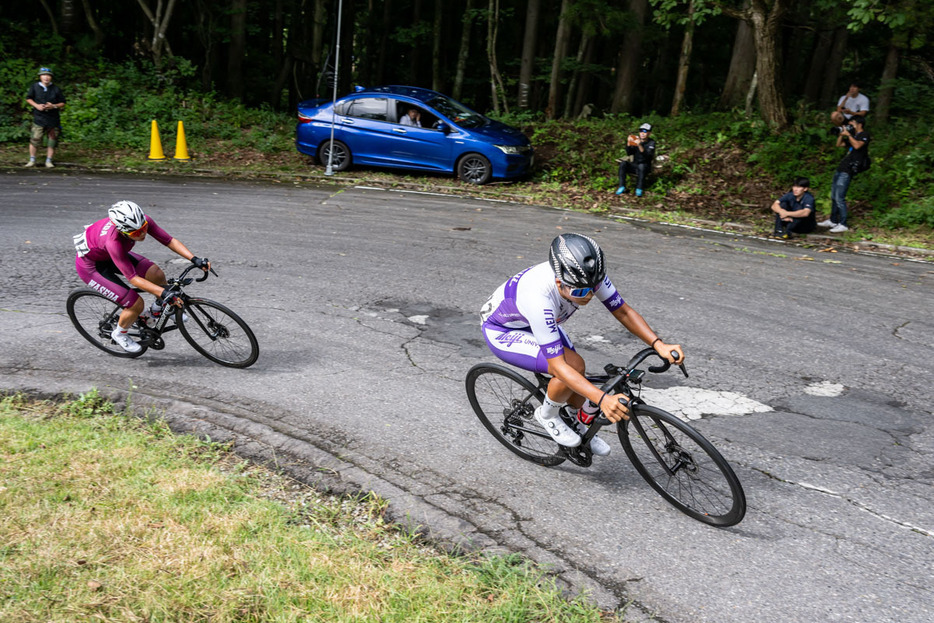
(125,341)
(559,431)
(597,445)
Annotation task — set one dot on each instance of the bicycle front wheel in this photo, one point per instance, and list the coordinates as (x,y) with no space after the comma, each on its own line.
(683,467)
(217,333)
(505,401)
(95,317)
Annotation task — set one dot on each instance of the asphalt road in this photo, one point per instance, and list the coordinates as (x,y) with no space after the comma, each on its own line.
(365,305)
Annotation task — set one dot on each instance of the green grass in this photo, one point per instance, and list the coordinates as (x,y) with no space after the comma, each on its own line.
(109,518)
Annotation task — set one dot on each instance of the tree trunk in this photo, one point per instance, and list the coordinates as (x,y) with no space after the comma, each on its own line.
(584,84)
(160,23)
(467,24)
(630,56)
(68,16)
(884,102)
(436,49)
(496,80)
(527,65)
(237,49)
(92,23)
(829,94)
(384,42)
(742,67)
(562,39)
(684,62)
(768,66)
(576,77)
(816,70)
(52,20)
(415,55)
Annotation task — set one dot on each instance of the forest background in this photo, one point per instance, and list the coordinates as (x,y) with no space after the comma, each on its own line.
(739,91)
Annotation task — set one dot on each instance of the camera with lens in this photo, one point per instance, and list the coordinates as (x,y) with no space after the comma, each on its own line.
(848,127)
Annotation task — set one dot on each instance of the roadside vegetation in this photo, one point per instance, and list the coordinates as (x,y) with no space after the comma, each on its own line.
(107,517)
(720,168)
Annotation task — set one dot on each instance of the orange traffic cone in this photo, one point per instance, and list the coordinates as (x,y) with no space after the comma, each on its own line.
(181,146)
(155,144)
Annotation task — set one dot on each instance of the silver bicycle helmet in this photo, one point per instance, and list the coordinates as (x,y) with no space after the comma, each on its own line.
(127,216)
(577,261)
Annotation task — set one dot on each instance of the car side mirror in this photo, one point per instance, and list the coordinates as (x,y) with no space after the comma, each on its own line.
(443,127)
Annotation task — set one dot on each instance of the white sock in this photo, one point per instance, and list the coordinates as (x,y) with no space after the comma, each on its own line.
(551,409)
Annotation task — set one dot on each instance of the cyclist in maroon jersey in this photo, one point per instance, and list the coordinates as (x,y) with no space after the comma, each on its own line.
(104,250)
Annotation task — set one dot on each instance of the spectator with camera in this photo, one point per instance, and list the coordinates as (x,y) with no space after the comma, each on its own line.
(794,211)
(640,152)
(854,137)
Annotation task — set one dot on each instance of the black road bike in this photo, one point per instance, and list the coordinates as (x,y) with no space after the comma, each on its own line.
(212,329)
(676,460)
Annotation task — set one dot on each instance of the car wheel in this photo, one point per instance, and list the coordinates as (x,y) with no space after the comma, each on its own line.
(341,158)
(475,169)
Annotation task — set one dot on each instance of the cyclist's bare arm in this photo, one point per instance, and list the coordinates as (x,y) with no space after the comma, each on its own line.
(636,324)
(559,368)
(179,247)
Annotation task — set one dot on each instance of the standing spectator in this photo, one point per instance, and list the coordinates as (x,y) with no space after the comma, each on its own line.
(47,101)
(855,138)
(642,150)
(794,211)
(852,104)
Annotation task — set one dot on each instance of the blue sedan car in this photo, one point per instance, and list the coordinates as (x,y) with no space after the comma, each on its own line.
(411,128)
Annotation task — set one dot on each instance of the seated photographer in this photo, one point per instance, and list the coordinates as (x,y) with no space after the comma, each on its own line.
(794,211)
(640,152)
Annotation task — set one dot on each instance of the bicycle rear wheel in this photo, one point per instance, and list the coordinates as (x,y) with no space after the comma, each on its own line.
(505,401)
(217,333)
(95,317)
(683,467)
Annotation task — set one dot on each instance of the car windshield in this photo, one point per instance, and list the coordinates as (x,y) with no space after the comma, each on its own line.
(457,112)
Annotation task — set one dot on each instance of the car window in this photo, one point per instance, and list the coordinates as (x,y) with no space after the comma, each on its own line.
(457,112)
(368,108)
(425,118)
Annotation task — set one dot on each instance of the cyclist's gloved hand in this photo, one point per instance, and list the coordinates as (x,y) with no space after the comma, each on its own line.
(170,297)
(201,262)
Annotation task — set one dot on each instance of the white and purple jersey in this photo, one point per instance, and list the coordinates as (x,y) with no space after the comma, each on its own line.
(528,308)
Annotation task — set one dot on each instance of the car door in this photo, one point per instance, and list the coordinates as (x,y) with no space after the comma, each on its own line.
(422,147)
(367,131)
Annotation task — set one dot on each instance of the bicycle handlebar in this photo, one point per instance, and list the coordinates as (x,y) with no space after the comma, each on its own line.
(181,279)
(618,373)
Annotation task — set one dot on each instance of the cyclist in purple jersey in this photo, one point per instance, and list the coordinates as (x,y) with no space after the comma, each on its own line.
(104,249)
(522,326)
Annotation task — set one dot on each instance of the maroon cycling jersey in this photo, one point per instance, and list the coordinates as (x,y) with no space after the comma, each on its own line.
(102,241)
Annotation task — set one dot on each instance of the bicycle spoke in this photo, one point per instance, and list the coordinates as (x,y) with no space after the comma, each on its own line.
(218,333)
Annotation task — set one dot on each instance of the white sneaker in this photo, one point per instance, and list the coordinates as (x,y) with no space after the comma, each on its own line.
(125,341)
(827,223)
(558,430)
(49,165)
(31,163)
(839,229)
(597,445)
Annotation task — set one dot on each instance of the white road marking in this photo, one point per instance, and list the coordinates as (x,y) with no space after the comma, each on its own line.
(824,388)
(690,403)
(421,319)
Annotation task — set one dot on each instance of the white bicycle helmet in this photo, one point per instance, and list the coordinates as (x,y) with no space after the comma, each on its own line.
(127,216)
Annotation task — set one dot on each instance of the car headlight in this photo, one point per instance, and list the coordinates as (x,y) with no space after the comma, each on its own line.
(512,150)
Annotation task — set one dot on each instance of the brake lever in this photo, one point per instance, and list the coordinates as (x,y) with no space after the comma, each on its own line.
(684,370)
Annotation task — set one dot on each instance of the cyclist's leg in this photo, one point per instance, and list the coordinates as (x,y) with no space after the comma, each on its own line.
(102,276)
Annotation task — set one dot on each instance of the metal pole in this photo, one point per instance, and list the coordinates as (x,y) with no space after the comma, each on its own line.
(337,63)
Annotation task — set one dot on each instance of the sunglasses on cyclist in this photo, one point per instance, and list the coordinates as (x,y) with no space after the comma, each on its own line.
(141,230)
(579,293)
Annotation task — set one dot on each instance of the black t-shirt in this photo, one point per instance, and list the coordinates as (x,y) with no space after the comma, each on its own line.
(855,159)
(642,157)
(50,95)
